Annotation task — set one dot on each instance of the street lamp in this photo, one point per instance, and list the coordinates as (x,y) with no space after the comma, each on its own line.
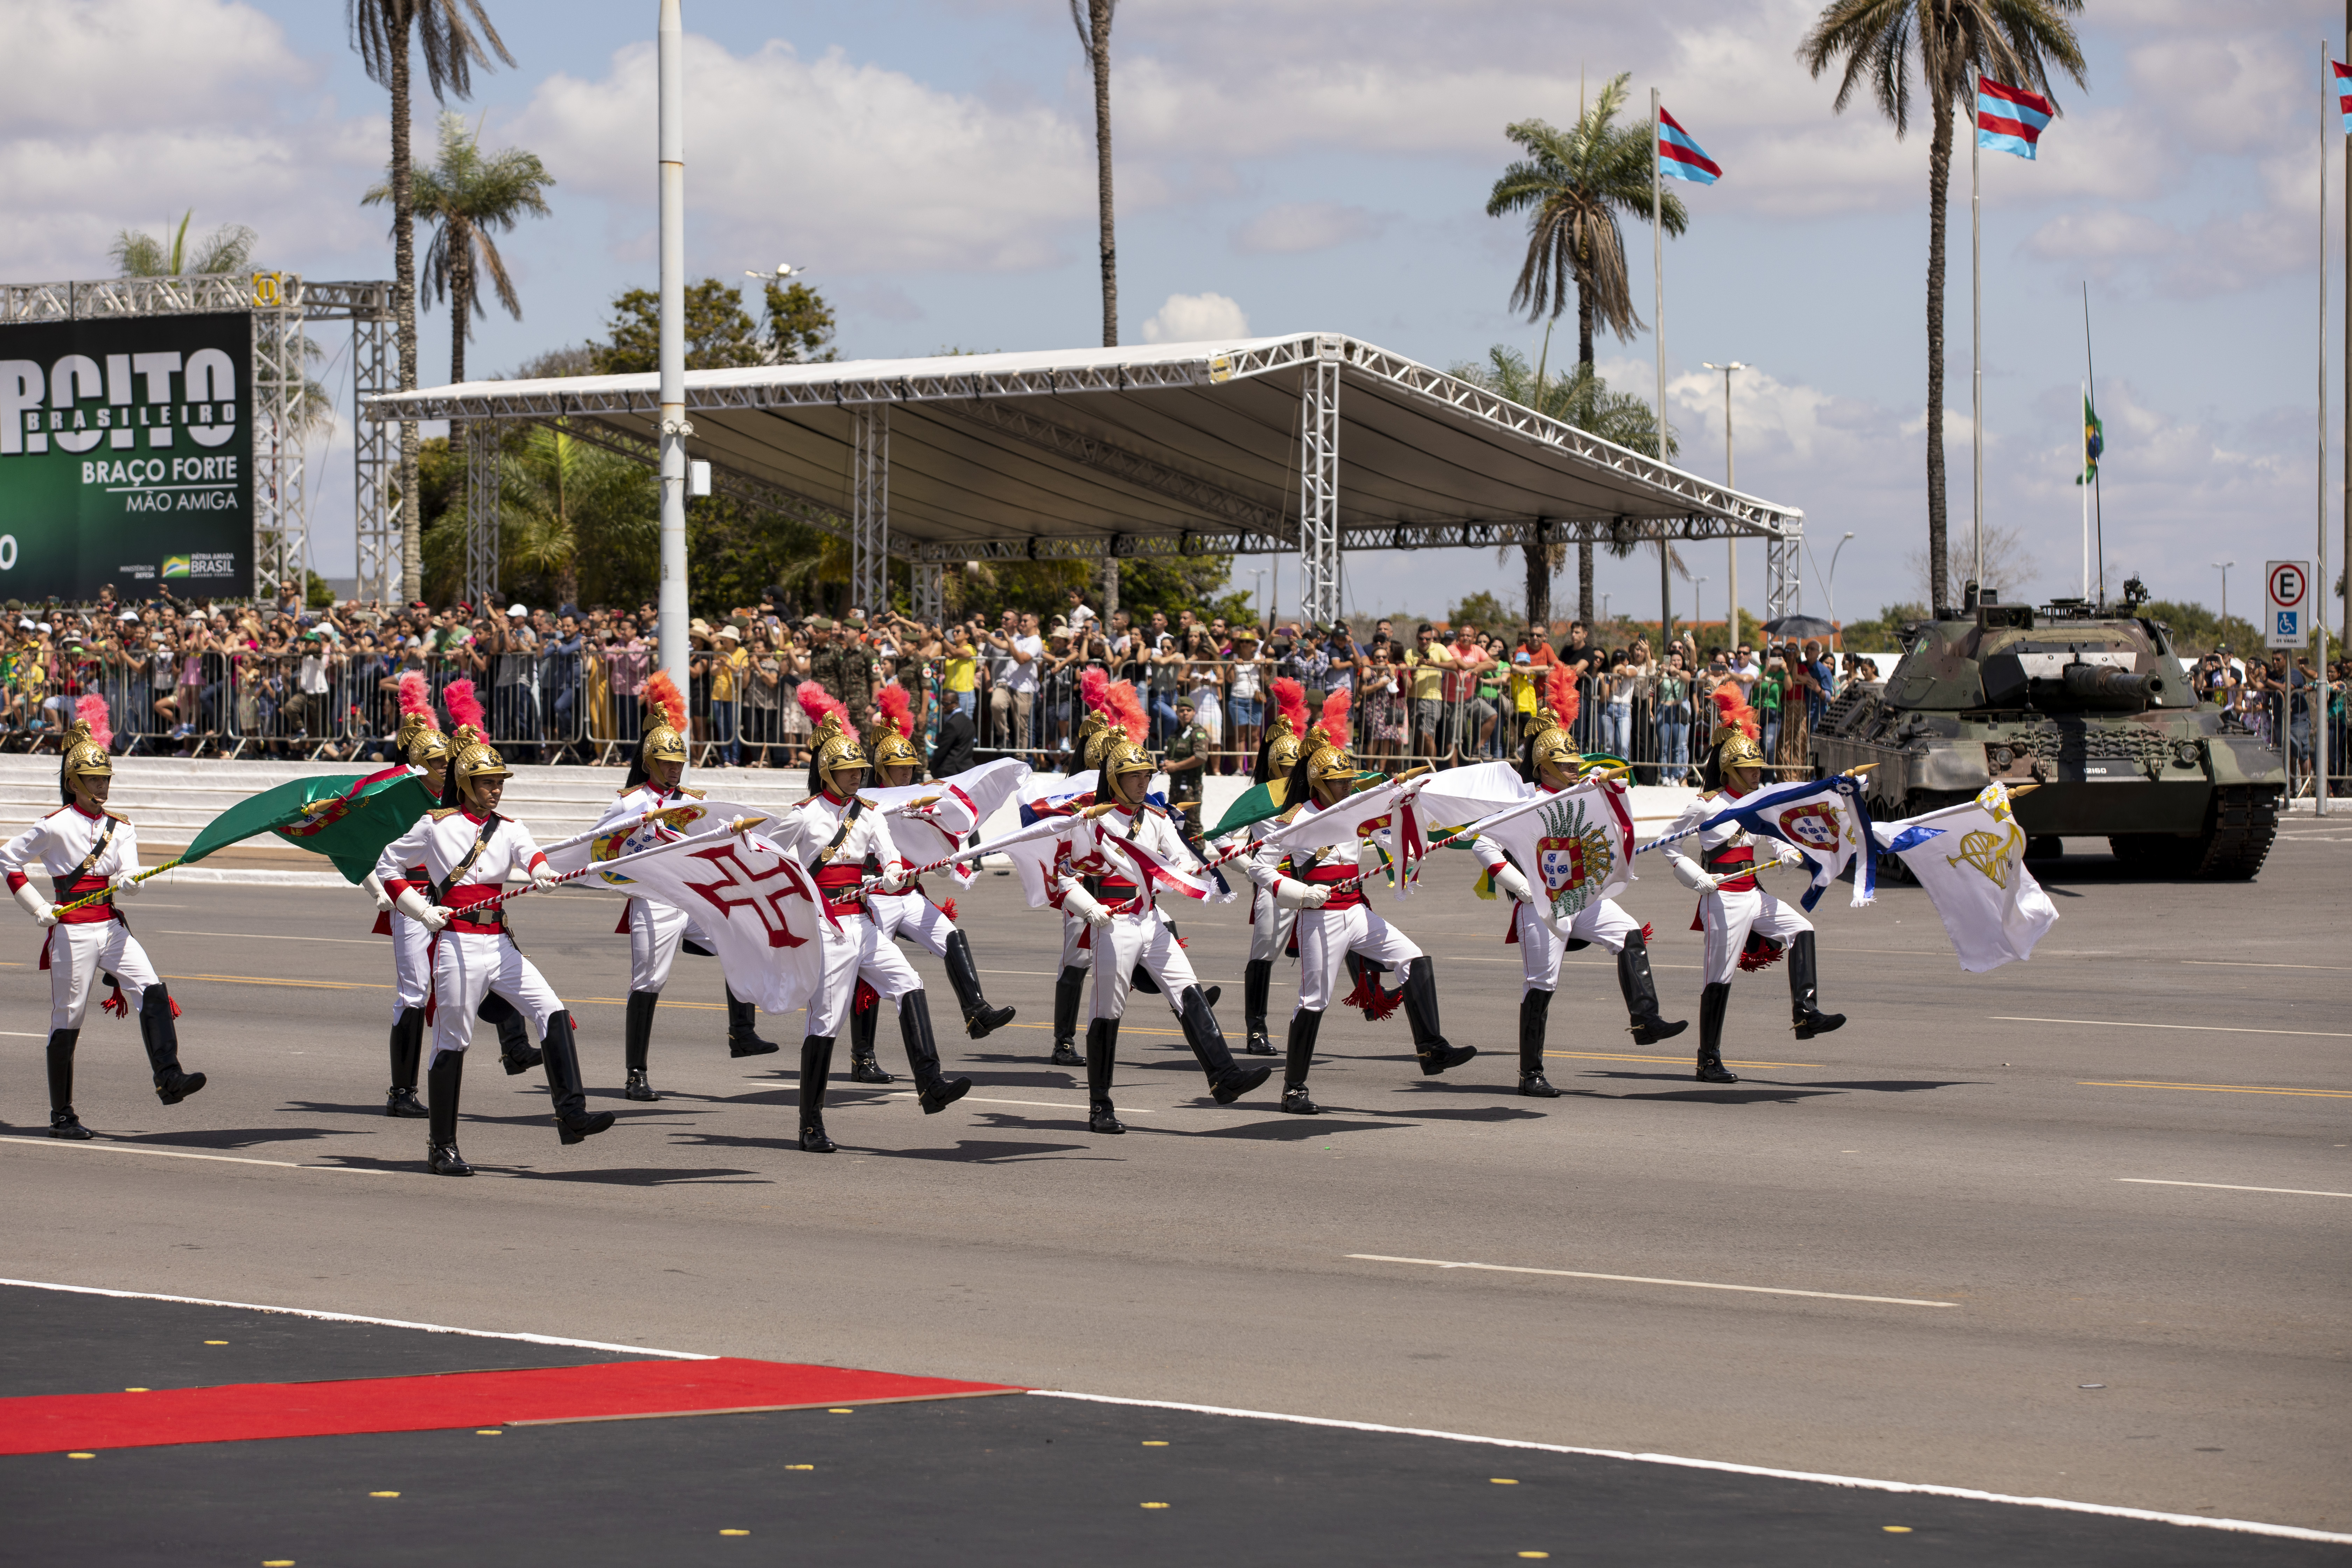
(1257,591)
(2224,629)
(1731,542)
(1698,606)
(783,270)
(1829,578)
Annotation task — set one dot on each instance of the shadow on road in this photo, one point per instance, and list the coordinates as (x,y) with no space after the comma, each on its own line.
(241,1137)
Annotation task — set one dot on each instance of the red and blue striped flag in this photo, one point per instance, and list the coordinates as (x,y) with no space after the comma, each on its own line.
(2343,97)
(1679,157)
(2009,119)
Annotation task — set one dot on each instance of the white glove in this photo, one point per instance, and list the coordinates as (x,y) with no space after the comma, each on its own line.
(895,879)
(383,901)
(544,877)
(1085,906)
(125,885)
(1691,875)
(1295,895)
(411,902)
(1788,855)
(1511,885)
(44,913)
(375,890)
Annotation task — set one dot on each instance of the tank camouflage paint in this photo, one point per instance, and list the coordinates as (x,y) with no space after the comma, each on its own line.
(2095,709)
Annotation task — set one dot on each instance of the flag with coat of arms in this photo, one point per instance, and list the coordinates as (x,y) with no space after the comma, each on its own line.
(1824,820)
(1574,851)
(1970,860)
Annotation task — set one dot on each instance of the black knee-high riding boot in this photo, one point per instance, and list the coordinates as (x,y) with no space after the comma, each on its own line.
(1421,1012)
(636,1042)
(441,1086)
(1228,1079)
(516,1053)
(63,1123)
(1069,991)
(1102,1055)
(1714,1001)
(1535,1006)
(817,1062)
(1803,988)
(1257,987)
(407,1049)
(863,1024)
(744,1029)
(936,1090)
(1640,989)
(161,1032)
(980,1019)
(1305,1025)
(573,1122)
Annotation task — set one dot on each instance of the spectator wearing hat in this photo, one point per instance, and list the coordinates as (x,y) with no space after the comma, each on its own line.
(1245,693)
(730,665)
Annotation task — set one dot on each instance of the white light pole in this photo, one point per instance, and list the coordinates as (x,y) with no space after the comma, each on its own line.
(674,429)
(1257,591)
(1829,578)
(2224,628)
(1698,606)
(1730,482)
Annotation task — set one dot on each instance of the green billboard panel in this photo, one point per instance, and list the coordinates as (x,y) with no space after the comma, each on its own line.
(126,457)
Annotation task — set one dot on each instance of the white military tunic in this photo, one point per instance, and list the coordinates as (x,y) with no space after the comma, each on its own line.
(1138,931)
(1601,923)
(655,928)
(471,956)
(854,946)
(1727,915)
(1345,924)
(89,942)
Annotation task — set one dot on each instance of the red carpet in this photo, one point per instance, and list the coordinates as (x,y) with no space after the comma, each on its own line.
(47,1423)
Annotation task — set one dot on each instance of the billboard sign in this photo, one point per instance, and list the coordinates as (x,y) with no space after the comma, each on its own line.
(126,457)
(2286,603)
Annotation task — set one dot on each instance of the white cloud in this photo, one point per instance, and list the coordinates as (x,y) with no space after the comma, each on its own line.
(852,166)
(1196,318)
(1297,227)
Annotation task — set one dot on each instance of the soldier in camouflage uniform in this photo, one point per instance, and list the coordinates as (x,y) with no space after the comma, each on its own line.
(844,666)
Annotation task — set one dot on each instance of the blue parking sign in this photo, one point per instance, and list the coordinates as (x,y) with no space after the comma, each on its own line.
(2286,623)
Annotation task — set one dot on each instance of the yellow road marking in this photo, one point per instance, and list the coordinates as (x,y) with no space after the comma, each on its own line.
(2215,1088)
(2193,1028)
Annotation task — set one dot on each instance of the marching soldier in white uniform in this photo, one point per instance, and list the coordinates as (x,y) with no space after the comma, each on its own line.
(1270,924)
(1747,928)
(467,849)
(1552,765)
(835,834)
(1323,885)
(86,849)
(1128,928)
(657,930)
(913,915)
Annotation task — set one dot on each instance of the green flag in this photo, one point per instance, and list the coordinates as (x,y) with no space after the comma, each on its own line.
(2095,443)
(1255,804)
(347,817)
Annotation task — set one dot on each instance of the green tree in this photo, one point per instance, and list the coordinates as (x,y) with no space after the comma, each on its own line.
(1573,186)
(1883,630)
(1485,612)
(467,197)
(799,326)
(2197,631)
(1948,43)
(720,335)
(380,31)
(228,248)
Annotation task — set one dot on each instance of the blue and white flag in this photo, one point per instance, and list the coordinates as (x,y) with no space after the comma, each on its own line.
(1823,820)
(1971,859)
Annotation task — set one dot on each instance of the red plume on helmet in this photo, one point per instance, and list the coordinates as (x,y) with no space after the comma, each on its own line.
(817,703)
(660,692)
(1732,709)
(1560,694)
(1125,706)
(1290,702)
(416,701)
(91,711)
(464,707)
(896,706)
(1335,718)
(1093,687)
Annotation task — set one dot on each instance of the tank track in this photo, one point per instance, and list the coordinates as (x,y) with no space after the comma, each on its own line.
(2239,828)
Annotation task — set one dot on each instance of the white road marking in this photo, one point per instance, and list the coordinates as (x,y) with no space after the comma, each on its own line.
(2248,964)
(25,1034)
(976,1099)
(2201,1028)
(2189,1520)
(101,1148)
(2233,1187)
(1640,1279)
(258,936)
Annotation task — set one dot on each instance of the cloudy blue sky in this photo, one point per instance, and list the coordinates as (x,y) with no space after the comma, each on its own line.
(1313,165)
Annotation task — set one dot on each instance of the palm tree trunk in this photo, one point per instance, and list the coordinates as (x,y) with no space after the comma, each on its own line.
(1098,31)
(1939,176)
(1584,586)
(1538,555)
(461,297)
(403,310)
(1584,365)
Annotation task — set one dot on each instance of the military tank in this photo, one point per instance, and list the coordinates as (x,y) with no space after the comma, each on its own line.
(2094,706)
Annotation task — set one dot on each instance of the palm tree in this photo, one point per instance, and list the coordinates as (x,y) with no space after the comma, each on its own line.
(2014,41)
(1573,185)
(466,196)
(1092,18)
(380,30)
(576,523)
(228,248)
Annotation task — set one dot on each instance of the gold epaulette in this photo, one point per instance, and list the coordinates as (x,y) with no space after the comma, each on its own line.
(1290,815)
(120,817)
(438,812)
(696,794)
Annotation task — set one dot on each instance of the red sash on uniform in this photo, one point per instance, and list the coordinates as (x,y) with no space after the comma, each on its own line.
(492,922)
(1325,872)
(838,885)
(83,887)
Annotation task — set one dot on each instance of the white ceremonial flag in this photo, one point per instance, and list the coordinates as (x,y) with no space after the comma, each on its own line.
(1971,860)
(1040,859)
(956,808)
(666,826)
(1575,850)
(759,907)
(1823,819)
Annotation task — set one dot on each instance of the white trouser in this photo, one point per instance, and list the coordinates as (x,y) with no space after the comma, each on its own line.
(1143,937)
(412,965)
(467,965)
(79,953)
(1270,926)
(1326,937)
(1074,932)
(1729,917)
(655,932)
(856,951)
(1601,922)
(914,917)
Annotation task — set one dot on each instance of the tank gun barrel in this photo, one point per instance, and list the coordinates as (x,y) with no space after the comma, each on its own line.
(2104,683)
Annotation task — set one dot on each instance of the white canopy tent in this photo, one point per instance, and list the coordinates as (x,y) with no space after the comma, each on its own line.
(1173,448)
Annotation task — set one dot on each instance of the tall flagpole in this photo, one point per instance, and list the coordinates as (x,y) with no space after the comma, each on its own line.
(1976,313)
(2316,701)
(2083,478)
(2098,500)
(1658,275)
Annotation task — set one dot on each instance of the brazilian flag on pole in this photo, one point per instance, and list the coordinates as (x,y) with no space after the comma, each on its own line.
(2094,442)
(349,818)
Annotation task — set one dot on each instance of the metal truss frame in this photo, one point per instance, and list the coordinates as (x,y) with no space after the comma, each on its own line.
(482,530)
(869,508)
(1147,473)
(1784,588)
(931,592)
(1319,485)
(281,510)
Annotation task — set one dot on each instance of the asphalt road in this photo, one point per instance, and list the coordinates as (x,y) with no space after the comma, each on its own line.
(1943,1222)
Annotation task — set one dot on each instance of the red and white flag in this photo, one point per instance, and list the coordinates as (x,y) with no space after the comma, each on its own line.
(758,905)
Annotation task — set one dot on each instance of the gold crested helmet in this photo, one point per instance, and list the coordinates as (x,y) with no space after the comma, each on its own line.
(1733,741)
(1553,743)
(473,759)
(836,749)
(664,737)
(662,744)
(1122,756)
(421,742)
(83,756)
(1094,733)
(1327,756)
(1282,744)
(889,749)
